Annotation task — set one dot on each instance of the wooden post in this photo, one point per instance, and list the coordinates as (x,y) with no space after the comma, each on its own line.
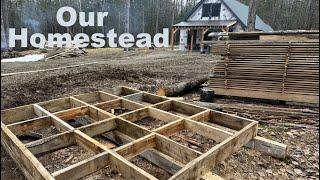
(173,37)
(203,32)
(192,38)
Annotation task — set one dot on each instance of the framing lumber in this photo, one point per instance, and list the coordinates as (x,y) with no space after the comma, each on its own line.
(175,150)
(130,138)
(270,95)
(83,168)
(272,148)
(159,159)
(51,143)
(30,166)
(286,71)
(203,164)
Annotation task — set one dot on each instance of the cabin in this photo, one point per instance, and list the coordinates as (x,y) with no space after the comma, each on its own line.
(213,17)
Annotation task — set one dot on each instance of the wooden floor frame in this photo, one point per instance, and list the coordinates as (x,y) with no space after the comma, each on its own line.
(231,133)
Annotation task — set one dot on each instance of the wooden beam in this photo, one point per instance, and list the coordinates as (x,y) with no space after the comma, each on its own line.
(23,127)
(27,163)
(192,39)
(175,150)
(173,37)
(270,95)
(88,143)
(203,33)
(211,176)
(136,147)
(159,159)
(170,128)
(52,143)
(272,148)
(203,164)
(269,147)
(130,129)
(98,128)
(18,114)
(58,123)
(207,131)
(223,119)
(127,169)
(83,168)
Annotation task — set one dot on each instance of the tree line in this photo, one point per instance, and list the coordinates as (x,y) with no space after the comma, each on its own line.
(148,16)
(288,14)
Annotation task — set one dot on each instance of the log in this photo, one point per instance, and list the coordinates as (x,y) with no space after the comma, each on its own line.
(291,125)
(212,106)
(181,88)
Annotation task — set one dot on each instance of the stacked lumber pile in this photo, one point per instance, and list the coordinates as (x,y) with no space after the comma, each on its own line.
(219,48)
(288,71)
(62,52)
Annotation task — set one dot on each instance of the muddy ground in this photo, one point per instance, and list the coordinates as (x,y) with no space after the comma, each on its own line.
(147,70)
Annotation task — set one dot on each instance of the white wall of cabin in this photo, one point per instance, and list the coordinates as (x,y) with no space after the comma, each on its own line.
(225,14)
(183,40)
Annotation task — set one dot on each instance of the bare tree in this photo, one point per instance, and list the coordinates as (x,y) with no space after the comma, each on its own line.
(127,16)
(173,12)
(4,25)
(4,42)
(143,20)
(309,14)
(157,15)
(80,8)
(252,15)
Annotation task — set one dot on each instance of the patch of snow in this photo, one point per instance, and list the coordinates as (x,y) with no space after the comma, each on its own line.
(27,58)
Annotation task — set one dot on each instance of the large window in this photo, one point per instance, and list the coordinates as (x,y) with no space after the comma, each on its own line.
(211,10)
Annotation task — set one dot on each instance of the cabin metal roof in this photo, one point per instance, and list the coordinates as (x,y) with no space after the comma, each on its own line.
(207,23)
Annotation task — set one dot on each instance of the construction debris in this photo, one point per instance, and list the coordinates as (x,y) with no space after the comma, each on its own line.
(62,52)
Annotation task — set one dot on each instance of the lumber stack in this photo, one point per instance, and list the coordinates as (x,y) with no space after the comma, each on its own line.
(62,52)
(287,71)
(219,47)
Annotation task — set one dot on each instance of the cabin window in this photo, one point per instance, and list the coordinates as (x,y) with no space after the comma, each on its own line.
(211,10)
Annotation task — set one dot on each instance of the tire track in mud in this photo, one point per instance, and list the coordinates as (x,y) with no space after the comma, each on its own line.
(47,87)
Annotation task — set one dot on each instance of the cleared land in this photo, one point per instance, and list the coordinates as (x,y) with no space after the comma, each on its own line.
(148,70)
